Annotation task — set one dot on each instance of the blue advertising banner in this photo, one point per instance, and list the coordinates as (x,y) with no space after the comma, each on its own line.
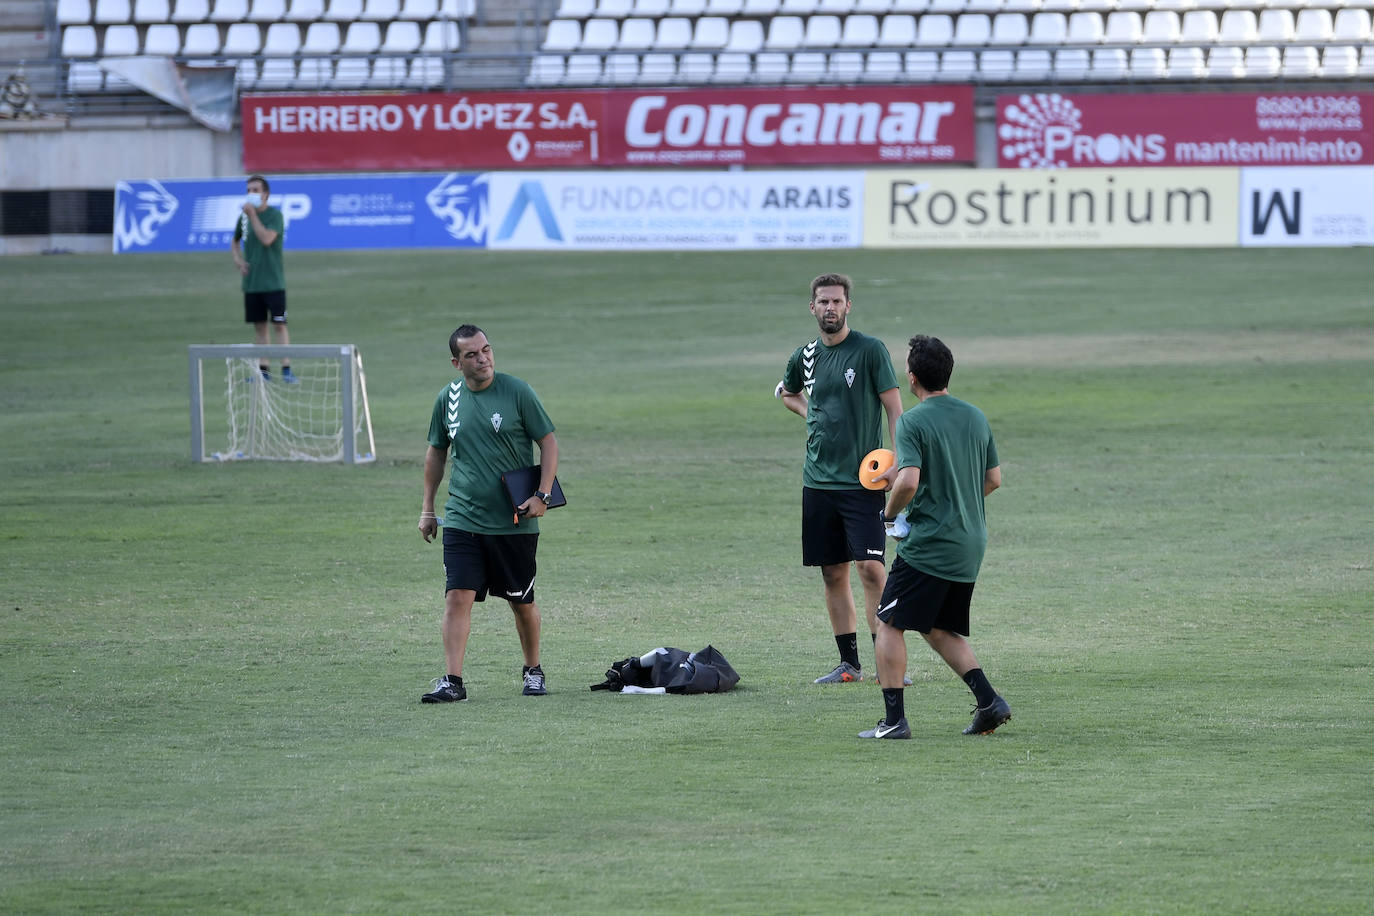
(433,210)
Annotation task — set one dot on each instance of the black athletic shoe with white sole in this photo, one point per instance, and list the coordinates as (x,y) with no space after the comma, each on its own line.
(445,691)
(987,718)
(534,683)
(883,730)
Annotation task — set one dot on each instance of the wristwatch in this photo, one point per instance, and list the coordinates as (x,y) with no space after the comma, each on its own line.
(544,497)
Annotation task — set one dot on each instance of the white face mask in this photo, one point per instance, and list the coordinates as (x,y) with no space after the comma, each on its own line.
(255,199)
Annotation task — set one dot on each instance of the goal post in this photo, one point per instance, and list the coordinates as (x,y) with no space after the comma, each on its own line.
(321,414)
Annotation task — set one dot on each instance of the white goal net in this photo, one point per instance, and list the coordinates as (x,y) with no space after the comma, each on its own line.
(319,415)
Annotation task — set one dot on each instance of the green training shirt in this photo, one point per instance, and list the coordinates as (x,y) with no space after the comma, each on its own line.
(951,442)
(844,416)
(265,271)
(487,433)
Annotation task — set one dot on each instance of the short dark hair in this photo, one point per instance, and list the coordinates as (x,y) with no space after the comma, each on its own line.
(266,188)
(462,333)
(831,280)
(930,361)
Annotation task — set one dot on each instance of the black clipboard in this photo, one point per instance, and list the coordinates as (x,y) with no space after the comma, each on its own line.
(522,482)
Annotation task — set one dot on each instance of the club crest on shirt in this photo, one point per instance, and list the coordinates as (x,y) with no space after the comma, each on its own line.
(849,377)
(496,422)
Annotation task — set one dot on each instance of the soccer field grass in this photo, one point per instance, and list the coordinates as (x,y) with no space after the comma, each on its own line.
(209,674)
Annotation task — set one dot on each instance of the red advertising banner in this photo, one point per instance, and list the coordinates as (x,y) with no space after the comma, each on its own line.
(1058,130)
(308,133)
(501,130)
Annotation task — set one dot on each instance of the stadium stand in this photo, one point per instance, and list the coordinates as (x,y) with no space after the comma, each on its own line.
(286,45)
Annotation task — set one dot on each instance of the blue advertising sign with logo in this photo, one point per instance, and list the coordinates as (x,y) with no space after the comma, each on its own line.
(436,210)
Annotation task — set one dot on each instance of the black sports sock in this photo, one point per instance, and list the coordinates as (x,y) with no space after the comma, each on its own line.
(454,679)
(848,644)
(983,693)
(894,703)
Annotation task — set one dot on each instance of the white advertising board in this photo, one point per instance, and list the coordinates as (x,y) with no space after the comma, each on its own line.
(624,210)
(1332,206)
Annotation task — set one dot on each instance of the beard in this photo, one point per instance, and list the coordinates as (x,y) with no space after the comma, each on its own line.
(830,325)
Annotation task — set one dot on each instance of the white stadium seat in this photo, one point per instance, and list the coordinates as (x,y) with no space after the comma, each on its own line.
(281,40)
(1048,29)
(622,69)
(837,7)
(321,38)
(1059,6)
(799,7)
(112,11)
(1176,5)
(315,73)
(784,33)
(362,38)
(1108,64)
(1340,62)
(731,67)
(441,37)
(859,31)
(120,41)
(200,40)
(546,70)
(563,35)
(599,35)
(997,66)
(267,10)
(746,36)
(635,35)
(711,8)
(934,30)
(971,29)
(1225,62)
(1072,63)
(380,10)
(1009,29)
(574,9)
(874,6)
(846,67)
(674,34)
(343,10)
(958,66)
(1262,62)
(696,67)
(1367,61)
(73,12)
(229,11)
(821,32)
(583,69)
(883,66)
(711,32)
(612,9)
(897,31)
(1301,61)
(1123,28)
(1085,29)
(242,39)
(922,66)
(1351,25)
(421,10)
(761,7)
(651,9)
(1199,27)
(162,40)
(807,67)
(305,10)
(1148,63)
(152,11)
(1313,26)
(1032,64)
(425,72)
(1161,27)
(1238,27)
(657,67)
(1187,63)
(1276,26)
(771,66)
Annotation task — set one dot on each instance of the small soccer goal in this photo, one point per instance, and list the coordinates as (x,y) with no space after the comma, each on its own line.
(319,415)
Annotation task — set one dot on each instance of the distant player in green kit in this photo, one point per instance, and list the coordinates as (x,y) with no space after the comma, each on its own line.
(257,249)
(842,383)
(489,422)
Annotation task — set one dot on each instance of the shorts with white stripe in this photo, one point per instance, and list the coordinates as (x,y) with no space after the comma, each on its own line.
(502,564)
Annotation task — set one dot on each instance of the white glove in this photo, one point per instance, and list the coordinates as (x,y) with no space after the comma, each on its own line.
(777,392)
(898,528)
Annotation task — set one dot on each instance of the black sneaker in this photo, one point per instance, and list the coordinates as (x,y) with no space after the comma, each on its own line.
(534,682)
(445,691)
(987,718)
(883,730)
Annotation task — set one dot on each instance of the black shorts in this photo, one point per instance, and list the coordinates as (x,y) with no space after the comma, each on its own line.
(842,525)
(500,563)
(913,600)
(258,306)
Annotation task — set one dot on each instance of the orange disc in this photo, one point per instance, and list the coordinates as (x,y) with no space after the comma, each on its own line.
(876,462)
